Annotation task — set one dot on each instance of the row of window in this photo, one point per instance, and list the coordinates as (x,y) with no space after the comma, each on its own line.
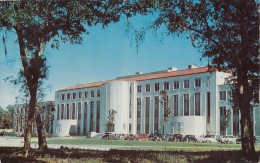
(175,107)
(166,85)
(70,113)
(79,95)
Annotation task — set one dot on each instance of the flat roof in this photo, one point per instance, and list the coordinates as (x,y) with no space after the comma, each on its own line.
(146,76)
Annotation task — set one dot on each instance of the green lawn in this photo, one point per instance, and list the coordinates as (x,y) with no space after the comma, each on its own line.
(146,145)
(13,154)
(129,151)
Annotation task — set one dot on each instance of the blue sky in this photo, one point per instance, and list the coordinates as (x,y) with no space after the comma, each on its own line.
(104,54)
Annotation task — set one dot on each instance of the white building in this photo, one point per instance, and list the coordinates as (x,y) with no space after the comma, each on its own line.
(20,117)
(198,98)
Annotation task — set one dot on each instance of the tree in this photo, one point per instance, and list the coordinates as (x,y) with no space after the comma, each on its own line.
(227,32)
(166,110)
(224,121)
(110,120)
(6,117)
(37,23)
(46,110)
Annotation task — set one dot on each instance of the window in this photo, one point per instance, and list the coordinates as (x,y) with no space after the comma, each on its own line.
(222,120)
(138,115)
(130,90)
(86,94)
(175,104)
(139,88)
(73,95)
(91,124)
(186,104)
(197,103)
(68,111)
(73,111)
(68,96)
(79,111)
(98,117)
(156,114)
(147,113)
(186,84)
(92,93)
(222,95)
(130,128)
(98,93)
(147,88)
(222,111)
(58,112)
(166,86)
(176,85)
(208,106)
(79,118)
(63,97)
(156,87)
(85,118)
(80,94)
(130,109)
(235,122)
(197,82)
(208,81)
(62,111)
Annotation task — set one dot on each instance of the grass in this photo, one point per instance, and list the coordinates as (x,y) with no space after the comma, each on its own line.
(145,145)
(13,154)
(129,151)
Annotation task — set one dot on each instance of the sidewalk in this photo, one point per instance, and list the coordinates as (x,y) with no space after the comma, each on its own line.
(19,142)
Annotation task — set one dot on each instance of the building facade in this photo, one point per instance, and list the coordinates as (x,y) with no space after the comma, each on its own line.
(198,99)
(46,112)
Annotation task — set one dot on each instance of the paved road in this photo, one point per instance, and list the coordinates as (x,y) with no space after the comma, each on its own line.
(18,142)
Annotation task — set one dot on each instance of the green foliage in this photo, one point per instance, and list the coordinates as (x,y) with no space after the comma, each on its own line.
(111,119)
(6,117)
(165,104)
(227,33)
(37,23)
(224,123)
(166,110)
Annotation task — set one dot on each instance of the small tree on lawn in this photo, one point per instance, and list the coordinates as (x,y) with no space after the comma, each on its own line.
(166,110)
(224,122)
(110,120)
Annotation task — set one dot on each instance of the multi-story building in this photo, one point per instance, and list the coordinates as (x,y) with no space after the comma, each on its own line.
(198,98)
(46,111)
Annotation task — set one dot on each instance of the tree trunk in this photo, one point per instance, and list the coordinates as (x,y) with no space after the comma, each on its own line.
(30,119)
(248,147)
(27,137)
(41,134)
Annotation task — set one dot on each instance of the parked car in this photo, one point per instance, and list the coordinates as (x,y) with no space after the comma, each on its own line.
(211,139)
(154,137)
(189,138)
(130,137)
(121,136)
(109,136)
(143,137)
(255,140)
(19,134)
(229,139)
(239,141)
(177,137)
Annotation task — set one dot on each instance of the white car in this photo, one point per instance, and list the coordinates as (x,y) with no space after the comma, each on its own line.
(211,139)
(229,139)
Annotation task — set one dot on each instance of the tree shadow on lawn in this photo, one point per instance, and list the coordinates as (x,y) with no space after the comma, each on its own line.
(12,154)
